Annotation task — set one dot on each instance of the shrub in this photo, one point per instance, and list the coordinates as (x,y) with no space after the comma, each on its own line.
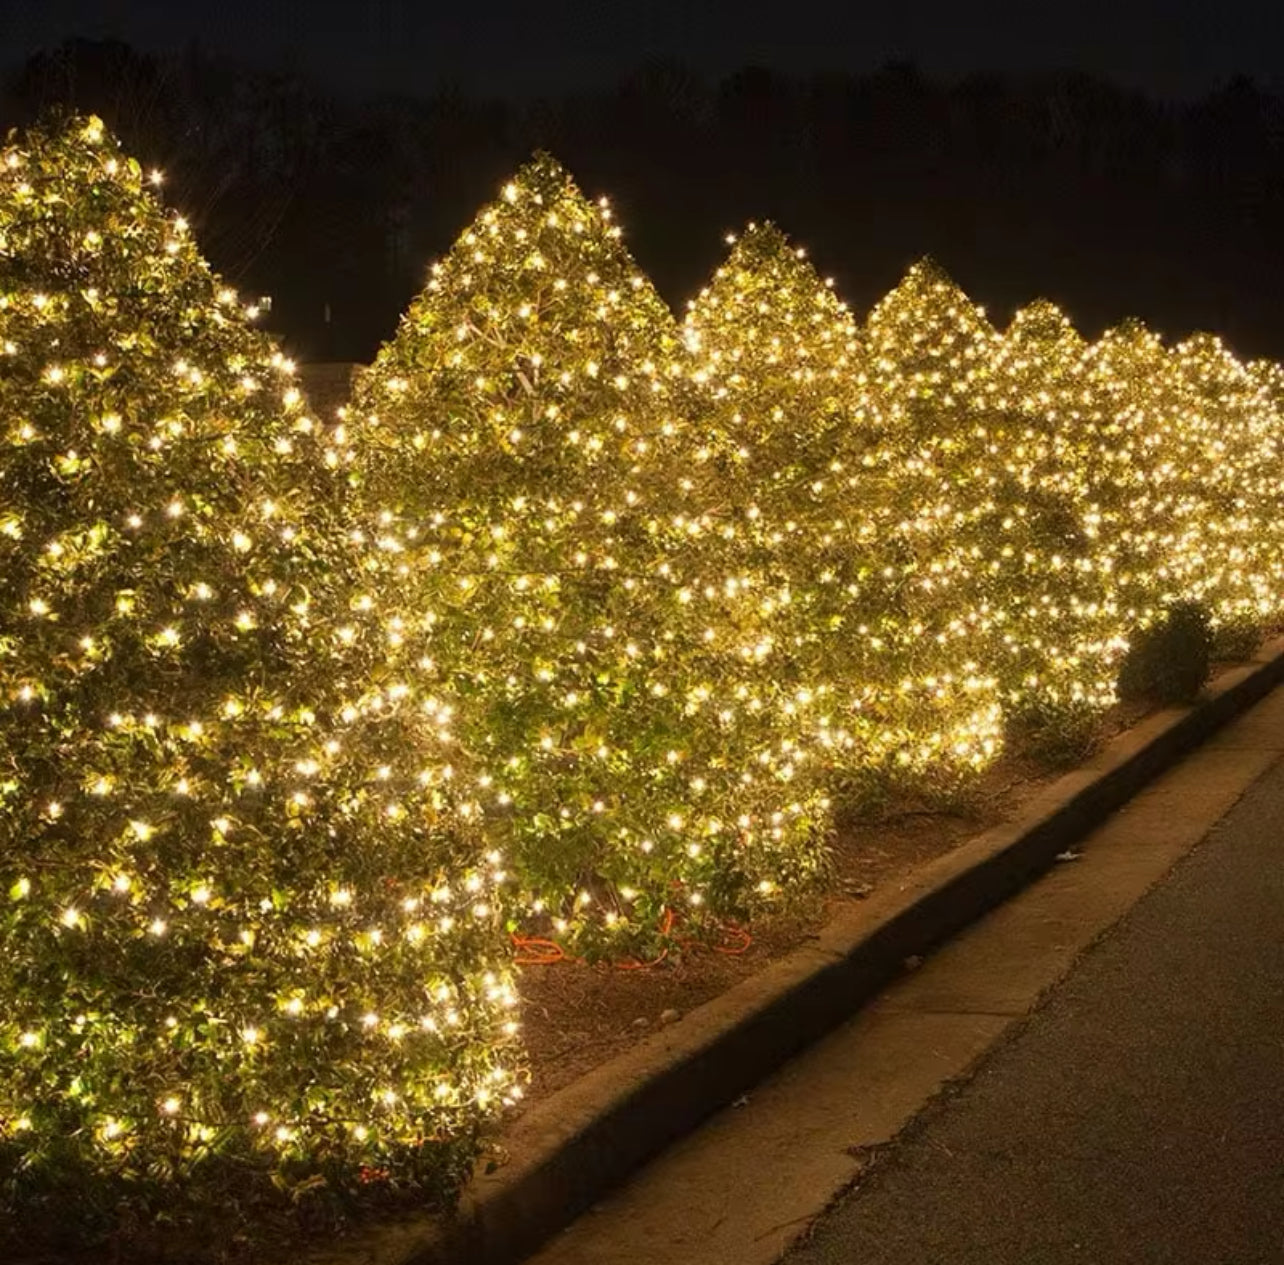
(1236,642)
(1232,457)
(883,687)
(534,495)
(982,492)
(250,929)
(1169,661)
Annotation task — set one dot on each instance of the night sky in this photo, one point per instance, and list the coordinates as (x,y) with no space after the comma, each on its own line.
(523,47)
(1171,208)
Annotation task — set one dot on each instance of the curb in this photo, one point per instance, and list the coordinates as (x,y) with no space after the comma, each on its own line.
(572,1148)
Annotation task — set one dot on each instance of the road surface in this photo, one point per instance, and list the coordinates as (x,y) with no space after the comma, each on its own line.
(1137,1117)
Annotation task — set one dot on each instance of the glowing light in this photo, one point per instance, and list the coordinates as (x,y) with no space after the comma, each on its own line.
(199,508)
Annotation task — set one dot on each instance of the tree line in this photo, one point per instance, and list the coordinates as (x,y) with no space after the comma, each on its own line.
(1064,185)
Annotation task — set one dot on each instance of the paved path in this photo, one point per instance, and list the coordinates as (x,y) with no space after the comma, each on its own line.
(1137,1117)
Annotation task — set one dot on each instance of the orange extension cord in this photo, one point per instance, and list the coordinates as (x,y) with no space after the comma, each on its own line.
(539,951)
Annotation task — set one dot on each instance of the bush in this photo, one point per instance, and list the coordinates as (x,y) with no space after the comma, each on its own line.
(1236,642)
(251,929)
(1057,737)
(1232,459)
(1170,661)
(884,683)
(534,498)
(978,475)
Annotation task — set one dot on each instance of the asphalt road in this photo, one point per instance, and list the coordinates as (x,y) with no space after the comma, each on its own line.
(1137,1117)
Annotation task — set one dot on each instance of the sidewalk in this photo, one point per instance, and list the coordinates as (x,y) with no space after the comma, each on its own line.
(1137,1117)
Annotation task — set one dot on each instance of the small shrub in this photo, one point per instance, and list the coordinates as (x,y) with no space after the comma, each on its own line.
(1236,642)
(1056,736)
(1169,661)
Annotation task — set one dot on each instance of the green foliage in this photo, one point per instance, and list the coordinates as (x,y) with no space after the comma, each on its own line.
(537,499)
(1236,642)
(1056,736)
(569,590)
(1169,662)
(250,925)
(885,688)
(978,472)
(1232,457)
(837,558)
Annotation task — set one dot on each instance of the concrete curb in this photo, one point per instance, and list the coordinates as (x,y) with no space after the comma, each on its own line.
(573,1147)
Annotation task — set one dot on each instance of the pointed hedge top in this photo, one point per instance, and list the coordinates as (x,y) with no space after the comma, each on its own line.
(536,345)
(1268,374)
(927,319)
(76,211)
(541,175)
(1043,323)
(764,250)
(1129,350)
(927,289)
(140,414)
(540,267)
(102,290)
(1132,331)
(929,344)
(767,307)
(1039,348)
(1220,384)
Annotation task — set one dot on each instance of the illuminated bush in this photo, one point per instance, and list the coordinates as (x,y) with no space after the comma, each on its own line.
(981,483)
(1151,508)
(1038,423)
(249,925)
(535,499)
(875,683)
(1176,457)
(1034,371)
(1233,429)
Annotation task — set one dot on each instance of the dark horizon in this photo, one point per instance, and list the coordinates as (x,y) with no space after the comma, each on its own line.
(517,51)
(1067,186)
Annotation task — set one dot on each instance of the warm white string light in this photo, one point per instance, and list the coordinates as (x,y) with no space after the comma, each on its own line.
(208,733)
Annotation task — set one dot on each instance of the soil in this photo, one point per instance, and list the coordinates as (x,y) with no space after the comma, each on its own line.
(576,1016)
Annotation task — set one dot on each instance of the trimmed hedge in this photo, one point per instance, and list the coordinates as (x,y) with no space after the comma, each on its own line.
(251,926)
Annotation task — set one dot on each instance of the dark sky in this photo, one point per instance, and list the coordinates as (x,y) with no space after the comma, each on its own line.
(520,47)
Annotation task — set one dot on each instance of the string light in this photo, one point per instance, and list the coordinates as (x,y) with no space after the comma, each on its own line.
(577,616)
(171,675)
(569,577)
(783,388)
(983,484)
